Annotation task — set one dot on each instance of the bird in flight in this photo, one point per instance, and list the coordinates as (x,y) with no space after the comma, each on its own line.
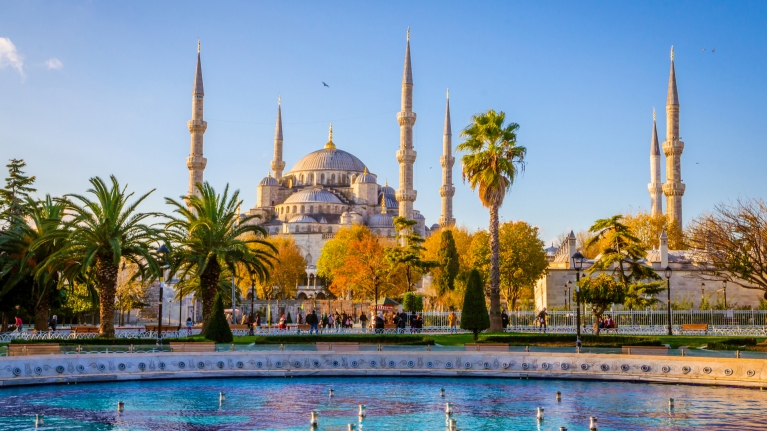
(713,50)
(703,50)
(326,85)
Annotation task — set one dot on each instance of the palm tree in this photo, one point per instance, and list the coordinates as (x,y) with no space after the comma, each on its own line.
(102,233)
(491,164)
(25,253)
(208,236)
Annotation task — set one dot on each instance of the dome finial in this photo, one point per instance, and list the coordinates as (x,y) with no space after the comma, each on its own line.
(330,145)
(365,171)
(387,183)
(270,173)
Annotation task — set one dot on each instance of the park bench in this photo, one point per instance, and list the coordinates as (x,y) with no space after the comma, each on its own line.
(85,329)
(695,327)
(33,349)
(644,350)
(487,347)
(304,328)
(238,327)
(338,347)
(192,347)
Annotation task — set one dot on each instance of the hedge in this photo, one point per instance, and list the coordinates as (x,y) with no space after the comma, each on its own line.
(91,341)
(732,344)
(587,340)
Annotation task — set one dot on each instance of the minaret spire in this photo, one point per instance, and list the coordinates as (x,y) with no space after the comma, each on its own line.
(278,164)
(673,148)
(447,160)
(655,186)
(197,126)
(406,155)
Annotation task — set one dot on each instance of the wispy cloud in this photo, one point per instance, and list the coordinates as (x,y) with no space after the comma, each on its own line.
(54,63)
(9,56)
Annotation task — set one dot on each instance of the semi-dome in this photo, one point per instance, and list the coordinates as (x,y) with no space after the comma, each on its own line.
(329,159)
(381,220)
(302,219)
(313,195)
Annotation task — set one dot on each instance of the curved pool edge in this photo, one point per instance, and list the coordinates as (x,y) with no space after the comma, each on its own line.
(64,369)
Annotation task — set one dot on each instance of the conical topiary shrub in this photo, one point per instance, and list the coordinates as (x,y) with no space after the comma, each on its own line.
(474,316)
(218,328)
(288,319)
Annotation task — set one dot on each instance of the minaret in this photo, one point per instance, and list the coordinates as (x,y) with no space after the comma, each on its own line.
(197,126)
(673,148)
(278,164)
(655,187)
(406,155)
(447,160)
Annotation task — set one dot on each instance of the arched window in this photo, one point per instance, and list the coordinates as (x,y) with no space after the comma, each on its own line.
(344,179)
(302,178)
(311,209)
(294,209)
(297,229)
(328,209)
(303,209)
(322,178)
(354,177)
(332,178)
(311,178)
(309,261)
(272,203)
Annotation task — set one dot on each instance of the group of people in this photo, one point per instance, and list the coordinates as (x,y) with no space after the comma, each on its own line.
(18,325)
(401,321)
(606,323)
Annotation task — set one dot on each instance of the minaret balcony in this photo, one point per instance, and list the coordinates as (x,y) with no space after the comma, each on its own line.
(406,156)
(447,161)
(673,148)
(406,118)
(447,191)
(196,162)
(197,126)
(405,195)
(674,189)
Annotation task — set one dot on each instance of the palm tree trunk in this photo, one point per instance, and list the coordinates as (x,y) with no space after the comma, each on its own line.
(41,309)
(495,273)
(209,287)
(106,278)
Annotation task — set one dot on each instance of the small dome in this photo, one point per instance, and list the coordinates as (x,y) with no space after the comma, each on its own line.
(302,218)
(418,216)
(365,177)
(269,181)
(388,190)
(313,195)
(381,220)
(435,226)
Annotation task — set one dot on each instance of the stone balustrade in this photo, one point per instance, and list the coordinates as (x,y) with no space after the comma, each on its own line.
(46,369)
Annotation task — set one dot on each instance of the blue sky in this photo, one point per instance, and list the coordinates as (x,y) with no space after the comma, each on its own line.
(100,88)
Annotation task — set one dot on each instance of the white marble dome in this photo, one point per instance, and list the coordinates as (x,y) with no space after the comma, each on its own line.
(269,181)
(381,220)
(302,218)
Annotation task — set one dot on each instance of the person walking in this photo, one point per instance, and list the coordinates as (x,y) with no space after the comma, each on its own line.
(18,324)
(54,322)
(363,320)
(452,320)
(189,326)
(313,322)
(504,319)
(542,320)
(379,323)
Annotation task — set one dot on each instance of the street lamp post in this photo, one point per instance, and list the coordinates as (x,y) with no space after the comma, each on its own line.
(724,289)
(578,259)
(169,302)
(163,252)
(702,287)
(667,273)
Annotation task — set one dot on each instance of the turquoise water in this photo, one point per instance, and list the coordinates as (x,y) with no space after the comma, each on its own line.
(392,404)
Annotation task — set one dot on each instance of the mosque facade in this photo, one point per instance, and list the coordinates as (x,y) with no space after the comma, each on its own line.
(330,188)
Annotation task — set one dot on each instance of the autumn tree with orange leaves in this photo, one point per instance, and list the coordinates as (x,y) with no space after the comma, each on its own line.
(354,261)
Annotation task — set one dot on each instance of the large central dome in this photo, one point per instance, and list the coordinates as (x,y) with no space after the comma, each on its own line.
(329,159)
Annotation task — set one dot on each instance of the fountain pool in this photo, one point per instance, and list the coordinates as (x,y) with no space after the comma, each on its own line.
(401,403)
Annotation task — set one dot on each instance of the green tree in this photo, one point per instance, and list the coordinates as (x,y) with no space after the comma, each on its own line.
(474,315)
(491,164)
(623,254)
(218,329)
(25,246)
(99,235)
(449,263)
(208,235)
(523,260)
(600,292)
(412,303)
(18,186)
(408,255)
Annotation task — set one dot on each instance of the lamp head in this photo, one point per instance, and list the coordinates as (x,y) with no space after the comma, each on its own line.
(578,259)
(667,272)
